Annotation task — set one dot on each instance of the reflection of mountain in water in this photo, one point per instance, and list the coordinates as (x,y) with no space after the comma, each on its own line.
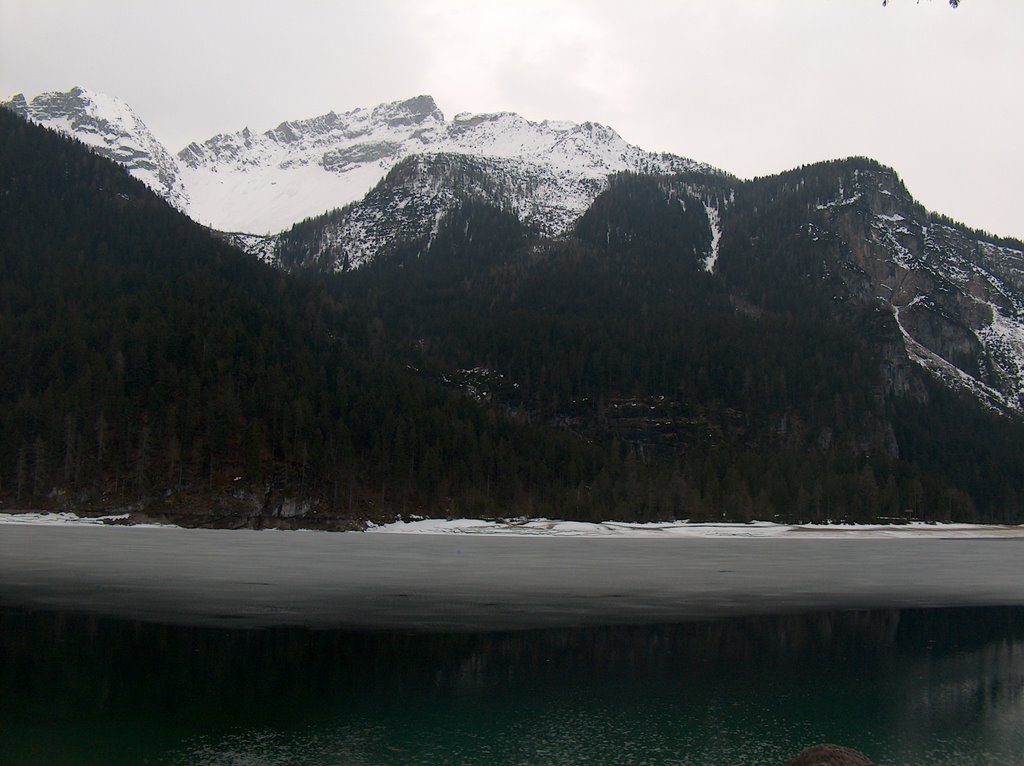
(91,651)
(892,683)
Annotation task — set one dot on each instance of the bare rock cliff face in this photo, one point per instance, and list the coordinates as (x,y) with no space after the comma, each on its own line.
(954,295)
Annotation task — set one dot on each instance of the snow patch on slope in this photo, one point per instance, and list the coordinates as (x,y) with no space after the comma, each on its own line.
(262,248)
(257,200)
(1004,343)
(716,237)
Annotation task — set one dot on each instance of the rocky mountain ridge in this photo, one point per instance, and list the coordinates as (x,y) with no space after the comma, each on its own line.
(109,127)
(551,170)
(264,182)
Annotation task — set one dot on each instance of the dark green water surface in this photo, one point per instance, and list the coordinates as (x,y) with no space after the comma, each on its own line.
(909,688)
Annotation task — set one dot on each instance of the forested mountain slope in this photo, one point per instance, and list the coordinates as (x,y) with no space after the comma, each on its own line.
(147,365)
(753,368)
(695,348)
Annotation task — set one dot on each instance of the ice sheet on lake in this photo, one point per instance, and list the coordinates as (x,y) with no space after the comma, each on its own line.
(484,582)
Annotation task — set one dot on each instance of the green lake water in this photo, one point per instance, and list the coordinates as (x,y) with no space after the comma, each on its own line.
(938,687)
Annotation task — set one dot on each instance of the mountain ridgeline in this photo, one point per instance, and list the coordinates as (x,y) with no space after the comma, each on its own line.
(263,182)
(803,347)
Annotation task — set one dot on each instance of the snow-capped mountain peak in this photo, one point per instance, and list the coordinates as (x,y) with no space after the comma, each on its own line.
(110,128)
(265,182)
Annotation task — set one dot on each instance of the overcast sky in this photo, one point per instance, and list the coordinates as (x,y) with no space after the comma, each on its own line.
(752,86)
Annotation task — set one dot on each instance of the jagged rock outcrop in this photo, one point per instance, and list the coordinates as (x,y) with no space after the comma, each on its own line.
(109,127)
(954,294)
(950,291)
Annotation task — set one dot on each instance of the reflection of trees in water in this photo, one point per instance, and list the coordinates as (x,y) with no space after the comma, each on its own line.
(690,649)
(109,664)
(954,687)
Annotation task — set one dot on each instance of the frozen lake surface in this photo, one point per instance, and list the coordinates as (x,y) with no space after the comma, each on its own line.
(446,582)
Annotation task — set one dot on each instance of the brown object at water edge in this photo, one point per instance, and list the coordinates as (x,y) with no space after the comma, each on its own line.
(830,755)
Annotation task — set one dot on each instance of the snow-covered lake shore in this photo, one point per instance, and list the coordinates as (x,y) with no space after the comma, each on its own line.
(558,528)
(684,529)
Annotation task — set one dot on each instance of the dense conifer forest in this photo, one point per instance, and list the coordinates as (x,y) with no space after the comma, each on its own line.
(148,365)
